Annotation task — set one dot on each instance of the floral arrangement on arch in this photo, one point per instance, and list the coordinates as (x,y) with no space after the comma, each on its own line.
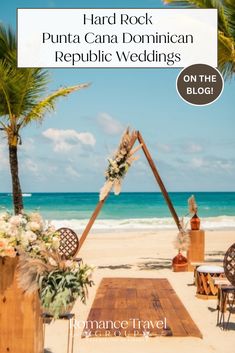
(59,282)
(119,165)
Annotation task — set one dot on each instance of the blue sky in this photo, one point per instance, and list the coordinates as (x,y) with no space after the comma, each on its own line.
(193,147)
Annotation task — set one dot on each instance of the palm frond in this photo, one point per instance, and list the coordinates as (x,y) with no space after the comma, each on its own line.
(34,84)
(226,58)
(193,3)
(226,27)
(48,104)
(9,78)
(230,13)
(7,42)
(205,4)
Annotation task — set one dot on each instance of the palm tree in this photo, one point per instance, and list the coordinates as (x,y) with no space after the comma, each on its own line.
(21,102)
(226,30)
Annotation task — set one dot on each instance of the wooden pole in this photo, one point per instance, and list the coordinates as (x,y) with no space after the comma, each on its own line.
(159,180)
(101,203)
(91,222)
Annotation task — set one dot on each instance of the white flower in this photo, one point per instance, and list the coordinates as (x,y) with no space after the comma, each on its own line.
(123,152)
(56,243)
(4,216)
(36,217)
(4,226)
(13,231)
(31,236)
(16,220)
(33,226)
(24,241)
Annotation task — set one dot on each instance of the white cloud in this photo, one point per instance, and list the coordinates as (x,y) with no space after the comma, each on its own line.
(110,125)
(65,140)
(31,166)
(71,171)
(3,156)
(163,147)
(213,164)
(194,148)
(27,145)
(198,163)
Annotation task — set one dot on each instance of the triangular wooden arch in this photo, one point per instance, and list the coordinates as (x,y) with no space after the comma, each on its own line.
(136,135)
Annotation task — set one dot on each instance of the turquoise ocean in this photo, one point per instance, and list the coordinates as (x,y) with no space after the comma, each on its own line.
(140,210)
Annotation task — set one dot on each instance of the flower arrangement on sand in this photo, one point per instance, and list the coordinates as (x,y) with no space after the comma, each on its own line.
(119,165)
(40,267)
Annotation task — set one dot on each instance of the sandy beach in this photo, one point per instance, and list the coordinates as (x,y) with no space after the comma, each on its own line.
(147,254)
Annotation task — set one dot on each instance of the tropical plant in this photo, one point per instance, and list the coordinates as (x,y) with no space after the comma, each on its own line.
(226,29)
(59,289)
(21,102)
(59,282)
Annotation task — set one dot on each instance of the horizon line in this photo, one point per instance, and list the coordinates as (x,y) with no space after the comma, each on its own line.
(123,192)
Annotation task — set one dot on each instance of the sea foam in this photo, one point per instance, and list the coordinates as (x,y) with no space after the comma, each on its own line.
(210,223)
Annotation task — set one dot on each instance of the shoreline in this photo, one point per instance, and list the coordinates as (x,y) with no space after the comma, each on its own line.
(220,223)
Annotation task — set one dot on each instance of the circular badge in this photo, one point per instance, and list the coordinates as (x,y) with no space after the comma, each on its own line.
(199,84)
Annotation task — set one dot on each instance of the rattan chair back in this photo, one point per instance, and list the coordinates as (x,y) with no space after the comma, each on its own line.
(229,264)
(69,243)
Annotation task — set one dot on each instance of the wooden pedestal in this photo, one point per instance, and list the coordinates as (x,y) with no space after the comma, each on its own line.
(196,250)
(20,314)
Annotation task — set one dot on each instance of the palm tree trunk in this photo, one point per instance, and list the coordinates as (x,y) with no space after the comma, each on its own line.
(17,193)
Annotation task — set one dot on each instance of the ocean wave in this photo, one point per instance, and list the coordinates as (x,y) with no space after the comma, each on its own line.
(210,223)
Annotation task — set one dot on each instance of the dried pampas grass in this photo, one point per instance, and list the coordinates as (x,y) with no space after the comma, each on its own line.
(125,140)
(182,241)
(104,191)
(117,186)
(29,269)
(192,205)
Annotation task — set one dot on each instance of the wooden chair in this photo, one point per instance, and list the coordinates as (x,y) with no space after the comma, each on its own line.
(229,264)
(226,295)
(69,244)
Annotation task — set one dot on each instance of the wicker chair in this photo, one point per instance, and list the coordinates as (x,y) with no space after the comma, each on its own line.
(226,295)
(229,264)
